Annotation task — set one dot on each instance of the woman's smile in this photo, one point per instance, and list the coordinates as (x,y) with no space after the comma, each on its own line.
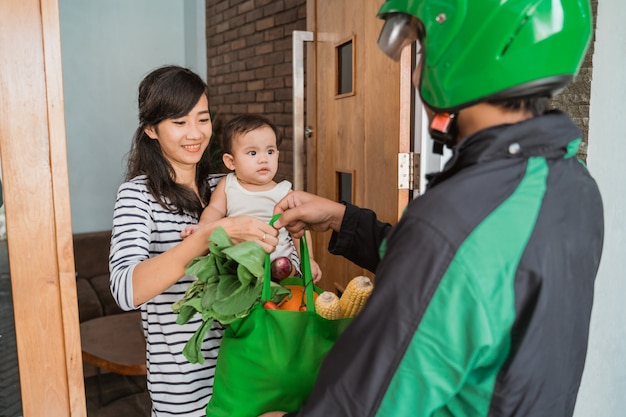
(192,148)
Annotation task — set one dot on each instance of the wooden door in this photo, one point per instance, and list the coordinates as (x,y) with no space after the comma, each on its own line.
(358,116)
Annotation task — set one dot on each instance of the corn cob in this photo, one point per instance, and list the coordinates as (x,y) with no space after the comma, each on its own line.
(327,305)
(354,297)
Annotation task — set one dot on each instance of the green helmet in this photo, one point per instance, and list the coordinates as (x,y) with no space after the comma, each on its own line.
(479,50)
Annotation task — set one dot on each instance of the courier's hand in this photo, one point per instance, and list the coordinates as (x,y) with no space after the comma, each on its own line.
(302,210)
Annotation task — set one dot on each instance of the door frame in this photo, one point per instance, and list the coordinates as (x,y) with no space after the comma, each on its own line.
(37,206)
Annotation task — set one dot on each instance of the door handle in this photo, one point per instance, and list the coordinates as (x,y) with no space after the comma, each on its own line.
(299,37)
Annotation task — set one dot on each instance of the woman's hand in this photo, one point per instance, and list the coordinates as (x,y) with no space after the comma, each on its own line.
(244,228)
(273,414)
(302,210)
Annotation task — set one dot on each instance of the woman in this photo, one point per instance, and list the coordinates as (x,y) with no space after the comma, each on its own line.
(166,188)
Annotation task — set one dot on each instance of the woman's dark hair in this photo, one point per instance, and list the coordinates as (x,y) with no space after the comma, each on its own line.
(242,124)
(168,92)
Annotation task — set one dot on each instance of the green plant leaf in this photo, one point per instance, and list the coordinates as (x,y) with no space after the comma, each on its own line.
(209,295)
(218,241)
(245,276)
(188,310)
(193,347)
(195,288)
(228,284)
(239,301)
(249,254)
(228,319)
(204,268)
(278,292)
(229,266)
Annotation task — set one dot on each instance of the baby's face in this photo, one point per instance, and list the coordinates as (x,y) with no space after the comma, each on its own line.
(254,157)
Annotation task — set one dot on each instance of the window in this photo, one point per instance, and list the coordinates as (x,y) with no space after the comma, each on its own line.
(345,68)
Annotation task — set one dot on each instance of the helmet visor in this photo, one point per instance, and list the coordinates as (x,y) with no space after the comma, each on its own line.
(399,30)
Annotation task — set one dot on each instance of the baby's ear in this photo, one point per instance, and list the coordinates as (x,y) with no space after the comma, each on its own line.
(228,161)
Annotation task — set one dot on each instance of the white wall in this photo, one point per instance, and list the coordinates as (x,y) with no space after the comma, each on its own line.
(107,48)
(603,388)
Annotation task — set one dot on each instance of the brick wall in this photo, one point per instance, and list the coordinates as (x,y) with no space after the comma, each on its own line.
(249,67)
(575,98)
(249,58)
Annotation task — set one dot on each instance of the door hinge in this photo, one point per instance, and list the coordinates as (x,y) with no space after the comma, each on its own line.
(408,170)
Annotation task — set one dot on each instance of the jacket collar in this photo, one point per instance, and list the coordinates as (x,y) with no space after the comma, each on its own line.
(548,135)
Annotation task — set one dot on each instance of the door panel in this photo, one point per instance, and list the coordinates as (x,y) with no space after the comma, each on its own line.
(357,133)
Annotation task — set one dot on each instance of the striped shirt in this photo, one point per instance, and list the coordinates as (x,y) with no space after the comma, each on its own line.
(142,229)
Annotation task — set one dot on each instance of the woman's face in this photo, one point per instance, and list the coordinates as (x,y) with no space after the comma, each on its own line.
(184,140)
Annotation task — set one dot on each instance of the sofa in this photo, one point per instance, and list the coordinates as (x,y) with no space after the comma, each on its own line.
(91,262)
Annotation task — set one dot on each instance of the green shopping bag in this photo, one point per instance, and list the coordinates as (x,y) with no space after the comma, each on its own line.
(270,359)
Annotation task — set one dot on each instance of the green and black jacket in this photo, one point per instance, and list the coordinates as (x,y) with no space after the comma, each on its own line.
(483,290)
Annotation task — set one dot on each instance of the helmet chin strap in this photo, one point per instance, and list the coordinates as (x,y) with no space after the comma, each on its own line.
(444,131)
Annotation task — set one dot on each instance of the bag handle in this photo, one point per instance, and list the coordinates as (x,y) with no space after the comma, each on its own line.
(305,265)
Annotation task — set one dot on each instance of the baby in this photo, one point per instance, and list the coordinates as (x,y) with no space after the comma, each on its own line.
(250,143)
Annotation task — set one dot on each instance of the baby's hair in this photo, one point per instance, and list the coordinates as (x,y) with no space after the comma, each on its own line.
(242,124)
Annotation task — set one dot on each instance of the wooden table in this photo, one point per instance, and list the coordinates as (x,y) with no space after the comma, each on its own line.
(115,343)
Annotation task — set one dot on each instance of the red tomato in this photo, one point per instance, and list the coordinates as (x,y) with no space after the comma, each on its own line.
(269,305)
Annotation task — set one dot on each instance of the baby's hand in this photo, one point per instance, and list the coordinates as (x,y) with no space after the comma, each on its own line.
(316,272)
(189,231)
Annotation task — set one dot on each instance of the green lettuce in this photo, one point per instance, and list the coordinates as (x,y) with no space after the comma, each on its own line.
(229,282)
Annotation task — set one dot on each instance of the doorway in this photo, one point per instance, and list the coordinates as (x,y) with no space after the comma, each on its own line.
(11,399)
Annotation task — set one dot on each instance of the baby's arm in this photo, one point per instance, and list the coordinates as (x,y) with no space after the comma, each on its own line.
(316,271)
(215,210)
